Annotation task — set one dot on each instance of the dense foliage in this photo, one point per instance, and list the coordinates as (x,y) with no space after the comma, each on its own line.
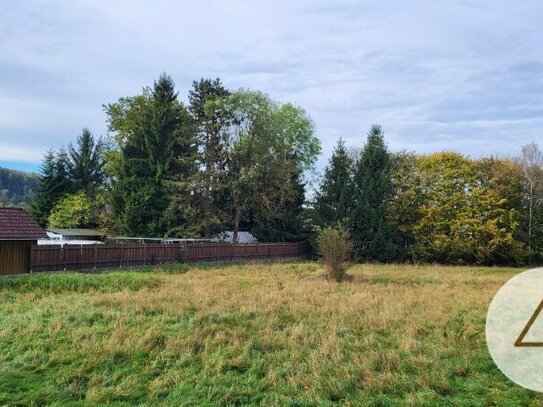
(443,207)
(79,169)
(230,160)
(335,199)
(463,217)
(72,211)
(54,184)
(371,230)
(152,138)
(238,160)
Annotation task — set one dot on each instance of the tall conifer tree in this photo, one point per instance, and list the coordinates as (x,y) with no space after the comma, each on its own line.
(152,149)
(211,118)
(54,183)
(86,162)
(371,230)
(334,200)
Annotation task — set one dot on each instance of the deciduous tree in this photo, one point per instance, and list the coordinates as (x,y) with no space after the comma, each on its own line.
(462,219)
(72,211)
(270,144)
(531,162)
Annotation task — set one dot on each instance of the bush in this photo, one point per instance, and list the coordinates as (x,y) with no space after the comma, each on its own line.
(72,211)
(335,247)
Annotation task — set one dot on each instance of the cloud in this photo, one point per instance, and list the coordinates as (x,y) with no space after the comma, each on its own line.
(19,153)
(459,75)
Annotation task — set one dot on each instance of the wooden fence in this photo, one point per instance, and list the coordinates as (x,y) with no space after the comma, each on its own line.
(91,257)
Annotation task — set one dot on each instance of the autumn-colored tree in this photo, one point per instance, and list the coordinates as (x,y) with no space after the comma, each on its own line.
(403,211)
(462,220)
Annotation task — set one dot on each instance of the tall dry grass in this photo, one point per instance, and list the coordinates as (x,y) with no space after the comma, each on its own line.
(258,334)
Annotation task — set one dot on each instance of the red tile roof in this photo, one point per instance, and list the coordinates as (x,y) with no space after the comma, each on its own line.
(17,224)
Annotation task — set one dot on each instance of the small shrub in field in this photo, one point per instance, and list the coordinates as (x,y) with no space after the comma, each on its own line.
(335,247)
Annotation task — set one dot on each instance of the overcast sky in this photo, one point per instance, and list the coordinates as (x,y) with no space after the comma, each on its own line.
(458,75)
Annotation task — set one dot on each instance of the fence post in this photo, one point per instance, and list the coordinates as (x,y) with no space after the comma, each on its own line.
(95,255)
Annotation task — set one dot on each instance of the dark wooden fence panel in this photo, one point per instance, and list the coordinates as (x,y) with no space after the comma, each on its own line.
(217,252)
(89,257)
(47,258)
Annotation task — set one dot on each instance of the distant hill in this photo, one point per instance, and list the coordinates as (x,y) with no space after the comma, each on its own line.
(17,187)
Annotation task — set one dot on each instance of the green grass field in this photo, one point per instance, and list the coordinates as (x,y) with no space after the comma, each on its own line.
(253,334)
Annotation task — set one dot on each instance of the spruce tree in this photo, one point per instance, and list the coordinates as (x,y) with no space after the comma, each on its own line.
(334,199)
(86,163)
(371,231)
(54,183)
(211,118)
(62,182)
(150,156)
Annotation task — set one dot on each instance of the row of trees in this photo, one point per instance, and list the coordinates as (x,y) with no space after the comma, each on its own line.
(226,161)
(237,160)
(442,207)
(70,193)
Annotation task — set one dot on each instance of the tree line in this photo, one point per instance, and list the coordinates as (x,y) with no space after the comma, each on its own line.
(443,207)
(228,160)
(238,160)
(17,187)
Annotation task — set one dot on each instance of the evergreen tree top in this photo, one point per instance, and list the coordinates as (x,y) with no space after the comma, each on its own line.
(164,88)
(203,91)
(375,156)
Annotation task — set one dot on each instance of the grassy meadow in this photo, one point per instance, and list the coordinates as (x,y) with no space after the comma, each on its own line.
(265,334)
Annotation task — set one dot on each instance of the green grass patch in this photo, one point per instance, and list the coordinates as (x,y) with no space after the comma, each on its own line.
(78,282)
